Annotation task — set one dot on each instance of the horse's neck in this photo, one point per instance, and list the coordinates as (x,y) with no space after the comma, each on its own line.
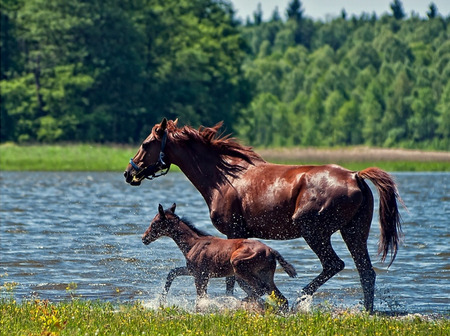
(185,238)
(200,169)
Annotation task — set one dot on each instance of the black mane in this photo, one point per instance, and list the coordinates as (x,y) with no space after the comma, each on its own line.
(193,228)
(188,223)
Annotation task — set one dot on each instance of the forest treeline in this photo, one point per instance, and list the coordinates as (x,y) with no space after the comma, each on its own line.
(108,70)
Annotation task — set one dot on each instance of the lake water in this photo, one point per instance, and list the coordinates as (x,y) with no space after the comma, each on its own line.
(82,231)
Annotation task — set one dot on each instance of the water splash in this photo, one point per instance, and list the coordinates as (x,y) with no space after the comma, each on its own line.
(303,304)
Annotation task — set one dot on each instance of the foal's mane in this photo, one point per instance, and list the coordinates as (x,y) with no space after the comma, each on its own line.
(191,226)
(223,145)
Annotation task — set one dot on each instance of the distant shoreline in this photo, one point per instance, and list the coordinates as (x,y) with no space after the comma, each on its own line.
(94,157)
(352,154)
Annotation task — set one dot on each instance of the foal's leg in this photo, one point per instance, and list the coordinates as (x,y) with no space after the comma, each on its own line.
(243,262)
(331,263)
(171,276)
(201,283)
(266,276)
(246,288)
(230,281)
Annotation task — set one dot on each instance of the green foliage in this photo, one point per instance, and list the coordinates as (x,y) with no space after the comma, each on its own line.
(365,81)
(107,71)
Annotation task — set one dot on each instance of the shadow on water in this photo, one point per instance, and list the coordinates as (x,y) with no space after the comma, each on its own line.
(61,229)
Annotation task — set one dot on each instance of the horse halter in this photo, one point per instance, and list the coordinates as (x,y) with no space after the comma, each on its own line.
(157,169)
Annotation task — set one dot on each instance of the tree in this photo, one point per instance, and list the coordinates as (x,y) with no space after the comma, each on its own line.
(11,58)
(262,112)
(397,9)
(347,125)
(276,15)
(332,105)
(432,12)
(422,122)
(443,118)
(372,110)
(294,11)
(258,15)
(398,108)
(334,34)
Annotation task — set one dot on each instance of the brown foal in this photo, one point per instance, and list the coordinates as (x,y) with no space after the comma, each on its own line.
(252,262)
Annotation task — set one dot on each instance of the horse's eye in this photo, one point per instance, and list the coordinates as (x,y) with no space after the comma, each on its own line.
(145,145)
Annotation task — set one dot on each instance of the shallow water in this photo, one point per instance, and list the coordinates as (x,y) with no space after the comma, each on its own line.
(79,234)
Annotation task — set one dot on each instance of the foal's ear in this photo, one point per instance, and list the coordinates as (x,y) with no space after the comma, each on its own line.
(161,211)
(172,208)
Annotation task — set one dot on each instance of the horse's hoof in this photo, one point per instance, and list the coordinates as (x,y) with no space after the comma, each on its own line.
(303,304)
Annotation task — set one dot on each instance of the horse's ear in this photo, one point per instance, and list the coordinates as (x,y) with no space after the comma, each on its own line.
(172,208)
(161,211)
(163,125)
(175,122)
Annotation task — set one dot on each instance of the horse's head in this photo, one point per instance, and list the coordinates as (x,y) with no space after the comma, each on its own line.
(149,161)
(161,225)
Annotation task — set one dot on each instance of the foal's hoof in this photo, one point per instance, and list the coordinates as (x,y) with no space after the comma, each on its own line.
(162,300)
(303,303)
(252,304)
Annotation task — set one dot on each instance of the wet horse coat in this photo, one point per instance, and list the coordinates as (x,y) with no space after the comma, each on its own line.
(249,197)
(207,257)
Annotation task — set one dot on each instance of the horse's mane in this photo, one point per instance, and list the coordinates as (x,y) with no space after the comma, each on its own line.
(224,145)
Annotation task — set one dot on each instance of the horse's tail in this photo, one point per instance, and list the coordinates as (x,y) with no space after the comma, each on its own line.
(290,270)
(390,220)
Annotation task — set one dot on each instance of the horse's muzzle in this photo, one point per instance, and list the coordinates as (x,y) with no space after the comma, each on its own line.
(129,178)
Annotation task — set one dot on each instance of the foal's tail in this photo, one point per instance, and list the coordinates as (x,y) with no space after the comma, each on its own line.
(290,270)
(390,221)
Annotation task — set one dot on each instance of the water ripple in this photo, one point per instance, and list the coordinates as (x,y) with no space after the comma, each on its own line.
(85,228)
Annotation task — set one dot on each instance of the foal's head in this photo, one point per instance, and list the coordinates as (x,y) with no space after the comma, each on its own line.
(161,225)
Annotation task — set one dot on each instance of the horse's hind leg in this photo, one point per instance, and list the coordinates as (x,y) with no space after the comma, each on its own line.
(331,263)
(355,236)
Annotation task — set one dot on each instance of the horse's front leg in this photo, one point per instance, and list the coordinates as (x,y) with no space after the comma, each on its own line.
(170,277)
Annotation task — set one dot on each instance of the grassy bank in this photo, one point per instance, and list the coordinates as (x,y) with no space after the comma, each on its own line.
(115,158)
(100,318)
(64,157)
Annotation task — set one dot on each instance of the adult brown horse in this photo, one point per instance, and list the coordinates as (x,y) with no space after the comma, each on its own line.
(249,197)
(252,262)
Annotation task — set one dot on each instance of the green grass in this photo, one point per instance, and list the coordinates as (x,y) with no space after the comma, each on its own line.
(391,166)
(115,158)
(64,157)
(79,317)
